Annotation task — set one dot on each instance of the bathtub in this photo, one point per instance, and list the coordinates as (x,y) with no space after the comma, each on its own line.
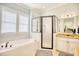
(18,43)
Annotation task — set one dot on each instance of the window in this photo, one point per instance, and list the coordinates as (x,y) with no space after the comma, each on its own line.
(8,21)
(36,24)
(23,23)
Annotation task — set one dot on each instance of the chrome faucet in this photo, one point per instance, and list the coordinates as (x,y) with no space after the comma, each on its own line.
(6,45)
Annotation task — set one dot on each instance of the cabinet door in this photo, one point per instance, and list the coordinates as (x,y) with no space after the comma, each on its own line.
(71,47)
(73,44)
(61,44)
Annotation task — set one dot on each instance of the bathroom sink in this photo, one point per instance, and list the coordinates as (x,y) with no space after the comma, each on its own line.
(70,35)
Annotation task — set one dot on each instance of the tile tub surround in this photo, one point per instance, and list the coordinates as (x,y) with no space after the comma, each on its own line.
(21,48)
(18,43)
(25,50)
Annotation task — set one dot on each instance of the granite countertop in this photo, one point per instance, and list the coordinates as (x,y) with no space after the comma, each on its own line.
(68,35)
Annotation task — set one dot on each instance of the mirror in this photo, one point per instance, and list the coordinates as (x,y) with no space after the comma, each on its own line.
(70,24)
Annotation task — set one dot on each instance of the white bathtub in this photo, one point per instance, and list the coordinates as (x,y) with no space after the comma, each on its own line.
(16,44)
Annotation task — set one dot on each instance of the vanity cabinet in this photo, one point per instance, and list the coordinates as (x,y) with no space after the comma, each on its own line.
(66,44)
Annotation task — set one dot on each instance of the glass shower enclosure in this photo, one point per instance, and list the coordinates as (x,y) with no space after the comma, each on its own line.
(47,26)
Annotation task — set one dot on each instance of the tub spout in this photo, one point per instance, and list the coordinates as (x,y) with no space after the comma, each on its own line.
(6,45)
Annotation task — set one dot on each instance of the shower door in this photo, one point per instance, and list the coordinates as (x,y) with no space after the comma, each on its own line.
(47,32)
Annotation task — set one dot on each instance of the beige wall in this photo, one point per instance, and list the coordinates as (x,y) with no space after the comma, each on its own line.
(36,12)
(63,10)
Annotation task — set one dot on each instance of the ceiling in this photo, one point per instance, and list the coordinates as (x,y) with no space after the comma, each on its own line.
(44,6)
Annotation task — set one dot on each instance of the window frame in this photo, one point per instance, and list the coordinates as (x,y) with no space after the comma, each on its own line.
(27,15)
(5,9)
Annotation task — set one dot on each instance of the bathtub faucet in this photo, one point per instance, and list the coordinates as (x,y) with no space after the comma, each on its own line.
(6,45)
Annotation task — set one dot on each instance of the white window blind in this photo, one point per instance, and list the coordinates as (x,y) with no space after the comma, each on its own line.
(23,23)
(8,21)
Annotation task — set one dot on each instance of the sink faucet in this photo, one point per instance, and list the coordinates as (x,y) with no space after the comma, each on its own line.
(6,45)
